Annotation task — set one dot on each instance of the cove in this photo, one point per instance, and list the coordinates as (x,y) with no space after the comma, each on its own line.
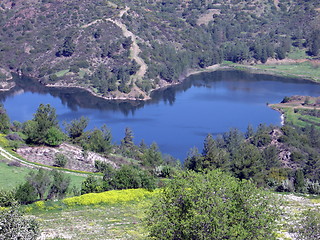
(177,118)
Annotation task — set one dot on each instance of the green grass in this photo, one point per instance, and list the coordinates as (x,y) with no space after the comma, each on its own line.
(11,176)
(81,73)
(296,70)
(62,73)
(297,119)
(297,53)
(304,70)
(121,220)
(98,222)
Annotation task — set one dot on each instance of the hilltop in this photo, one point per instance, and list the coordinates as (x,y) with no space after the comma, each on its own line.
(124,49)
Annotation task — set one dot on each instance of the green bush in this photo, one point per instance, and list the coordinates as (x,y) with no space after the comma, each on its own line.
(212,206)
(7,198)
(309,225)
(60,160)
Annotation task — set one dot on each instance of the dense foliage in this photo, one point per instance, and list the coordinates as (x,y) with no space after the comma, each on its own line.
(77,43)
(212,206)
(283,159)
(13,225)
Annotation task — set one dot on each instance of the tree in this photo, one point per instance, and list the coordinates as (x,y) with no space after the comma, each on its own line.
(26,193)
(54,136)
(315,43)
(213,156)
(41,181)
(37,129)
(4,120)
(91,184)
(60,160)
(194,160)
(299,183)
(100,140)
(212,206)
(246,162)
(59,185)
(76,128)
(67,49)
(13,225)
(152,156)
(127,141)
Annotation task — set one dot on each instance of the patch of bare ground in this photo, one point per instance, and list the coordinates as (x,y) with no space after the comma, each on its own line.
(208,16)
(276,4)
(6,82)
(284,152)
(77,158)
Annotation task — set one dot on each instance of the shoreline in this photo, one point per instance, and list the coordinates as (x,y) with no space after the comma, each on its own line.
(189,72)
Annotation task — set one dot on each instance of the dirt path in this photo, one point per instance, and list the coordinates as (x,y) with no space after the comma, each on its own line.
(7,155)
(135,49)
(276,4)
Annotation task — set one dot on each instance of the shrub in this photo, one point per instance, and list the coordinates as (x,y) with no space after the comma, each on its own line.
(309,225)
(7,198)
(54,137)
(60,160)
(13,225)
(212,206)
(26,193)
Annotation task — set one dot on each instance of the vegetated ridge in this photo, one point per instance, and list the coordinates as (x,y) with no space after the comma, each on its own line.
(126,49)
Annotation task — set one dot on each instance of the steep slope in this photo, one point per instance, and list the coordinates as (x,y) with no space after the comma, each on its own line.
(125,49)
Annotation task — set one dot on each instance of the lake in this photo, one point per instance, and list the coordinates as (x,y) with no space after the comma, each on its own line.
(177,118)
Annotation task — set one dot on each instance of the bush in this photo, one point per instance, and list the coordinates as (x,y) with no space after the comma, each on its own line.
(26,193)
(13,225)
(7,198)
(60,160)
(212,206)
(54,137)
(309,225)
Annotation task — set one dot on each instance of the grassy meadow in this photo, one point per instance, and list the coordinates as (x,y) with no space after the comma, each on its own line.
(114,214)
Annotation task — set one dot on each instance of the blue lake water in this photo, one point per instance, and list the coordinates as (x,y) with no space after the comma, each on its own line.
(177,118)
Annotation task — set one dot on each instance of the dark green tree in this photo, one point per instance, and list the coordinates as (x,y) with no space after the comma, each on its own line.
(246,162)
(4,120)
(91,184)
(127,141)
(76,128)
(213,156)
(99,140)
(152,156)
(299,183)
(37,129)
(60,185)
(41,181)
(26,193)
(67,49)
(194,160)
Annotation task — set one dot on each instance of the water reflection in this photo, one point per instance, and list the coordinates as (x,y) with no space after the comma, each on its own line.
(75,98)
(178,117)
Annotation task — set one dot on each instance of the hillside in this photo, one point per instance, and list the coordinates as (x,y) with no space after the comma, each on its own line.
(125,49)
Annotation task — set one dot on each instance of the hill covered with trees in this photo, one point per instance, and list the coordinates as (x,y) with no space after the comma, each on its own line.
(125,49)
